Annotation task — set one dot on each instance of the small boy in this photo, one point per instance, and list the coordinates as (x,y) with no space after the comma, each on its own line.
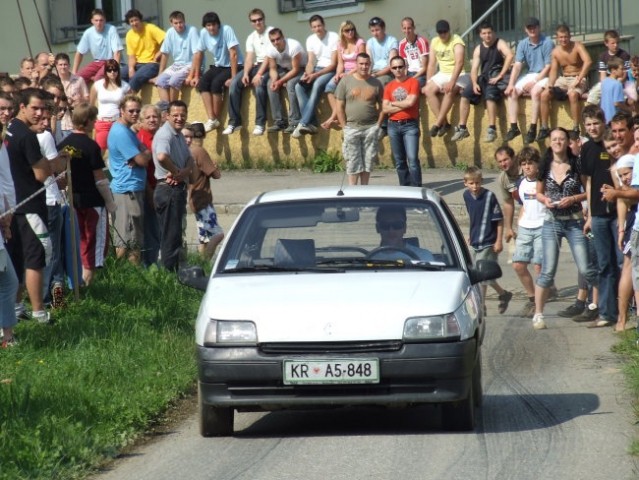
(486,225)
(612,96)
(611,41)
(528,246)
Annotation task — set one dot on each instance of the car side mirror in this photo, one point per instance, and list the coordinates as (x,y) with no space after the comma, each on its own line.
(484,270)
(193,277)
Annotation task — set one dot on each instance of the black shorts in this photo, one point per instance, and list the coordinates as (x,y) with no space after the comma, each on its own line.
(214,79)
(31,245)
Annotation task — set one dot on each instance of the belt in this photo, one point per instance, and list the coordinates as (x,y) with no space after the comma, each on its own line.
(179,185)
(403,122)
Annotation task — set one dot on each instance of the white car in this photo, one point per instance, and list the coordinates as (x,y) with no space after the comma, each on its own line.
(340,297)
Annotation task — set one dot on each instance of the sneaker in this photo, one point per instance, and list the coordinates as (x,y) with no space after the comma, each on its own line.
(230,129)
(310,129)
(544,133)
(530,136)
(42,316)
(434,130)
(258,130)
(512,134)
(443,130)
(290,129)
(504,300)
(297,133)
(12,342)
(491,135)
(21,312)
(538,321)
(57,295)
(589,314)
(211,124)
(460,134)
(528,310)
(571,311)
(276,128)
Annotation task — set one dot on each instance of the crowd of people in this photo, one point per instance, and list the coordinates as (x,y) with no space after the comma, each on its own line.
(58,114)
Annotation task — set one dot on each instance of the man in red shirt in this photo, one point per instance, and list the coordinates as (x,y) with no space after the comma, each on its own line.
(401,104)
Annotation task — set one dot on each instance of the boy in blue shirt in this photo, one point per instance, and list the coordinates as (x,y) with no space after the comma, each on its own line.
(486,224)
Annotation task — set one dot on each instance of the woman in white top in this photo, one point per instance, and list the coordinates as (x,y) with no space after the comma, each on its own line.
(106,94)
(349,46)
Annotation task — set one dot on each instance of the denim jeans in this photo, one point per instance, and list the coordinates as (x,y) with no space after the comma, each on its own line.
(8,291)
(404,142)
(235,98)
(143,73)
(170,204)
(54,271)
(276,103)
(552,233)
(308,103)
(609,257)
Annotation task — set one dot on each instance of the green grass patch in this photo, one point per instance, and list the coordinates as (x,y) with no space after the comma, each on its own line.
(76,392)
(325,162)
(629,348)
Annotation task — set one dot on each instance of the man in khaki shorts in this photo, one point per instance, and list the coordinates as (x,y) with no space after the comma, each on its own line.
(574,62)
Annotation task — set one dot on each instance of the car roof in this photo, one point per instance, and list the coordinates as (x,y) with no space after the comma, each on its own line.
(350,191)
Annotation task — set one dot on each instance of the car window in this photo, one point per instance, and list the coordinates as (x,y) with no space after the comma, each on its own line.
(350,234)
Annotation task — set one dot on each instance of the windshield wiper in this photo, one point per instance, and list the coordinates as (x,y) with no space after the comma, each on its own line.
(273,268)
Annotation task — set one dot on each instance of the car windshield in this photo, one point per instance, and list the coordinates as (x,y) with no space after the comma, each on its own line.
(339,235)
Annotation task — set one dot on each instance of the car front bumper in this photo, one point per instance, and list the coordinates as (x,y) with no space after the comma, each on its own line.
(246,379)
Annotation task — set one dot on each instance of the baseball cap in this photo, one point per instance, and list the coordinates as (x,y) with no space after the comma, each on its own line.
(532,22)
(442,26)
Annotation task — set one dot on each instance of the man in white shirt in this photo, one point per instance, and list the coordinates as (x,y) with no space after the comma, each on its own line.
(321,47)
(256,45)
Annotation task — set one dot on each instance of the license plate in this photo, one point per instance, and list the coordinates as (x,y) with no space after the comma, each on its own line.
(308,372)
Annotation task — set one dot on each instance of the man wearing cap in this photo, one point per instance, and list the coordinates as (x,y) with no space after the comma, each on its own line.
(535,50)
(381,48)
(447,54)
(573,62)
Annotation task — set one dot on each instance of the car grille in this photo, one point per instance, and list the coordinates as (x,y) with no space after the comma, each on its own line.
(330,347)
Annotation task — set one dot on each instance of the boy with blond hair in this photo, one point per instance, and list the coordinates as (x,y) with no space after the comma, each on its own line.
(486,225)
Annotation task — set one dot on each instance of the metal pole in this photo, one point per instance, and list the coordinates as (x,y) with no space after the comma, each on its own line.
(24,27)
(480,19)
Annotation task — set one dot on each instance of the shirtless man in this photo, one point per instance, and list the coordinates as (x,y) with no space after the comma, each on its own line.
(574,61)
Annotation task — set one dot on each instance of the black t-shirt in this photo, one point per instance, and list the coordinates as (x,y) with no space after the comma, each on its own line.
(24,152)
(86,157)
(596,164)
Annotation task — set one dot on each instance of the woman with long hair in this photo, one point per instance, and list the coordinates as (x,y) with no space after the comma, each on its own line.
(560,189)
(106,94)
(349,46)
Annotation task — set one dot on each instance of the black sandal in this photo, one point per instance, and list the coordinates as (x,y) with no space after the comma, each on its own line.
(504,300)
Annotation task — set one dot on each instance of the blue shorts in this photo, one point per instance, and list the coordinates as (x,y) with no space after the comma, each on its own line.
(528,246)
(207,225)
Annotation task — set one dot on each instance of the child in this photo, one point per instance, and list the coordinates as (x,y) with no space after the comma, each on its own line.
(528,248)
(611,41)
(612,96)
(486,225)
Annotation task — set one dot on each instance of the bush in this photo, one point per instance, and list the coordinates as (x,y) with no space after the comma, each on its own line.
(325,162)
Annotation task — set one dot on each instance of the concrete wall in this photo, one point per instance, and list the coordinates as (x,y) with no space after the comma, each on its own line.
(279,150)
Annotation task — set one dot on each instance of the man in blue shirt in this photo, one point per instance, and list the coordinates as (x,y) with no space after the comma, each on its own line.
(128,158)
(221,41)
(535,51)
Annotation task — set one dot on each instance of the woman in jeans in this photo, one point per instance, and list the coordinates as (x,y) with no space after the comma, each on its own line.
(559,188)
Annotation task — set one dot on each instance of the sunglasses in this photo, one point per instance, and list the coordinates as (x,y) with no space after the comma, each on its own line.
(134,110)
(110,70)
(441,32)
(256,20)
(349,30)
(396,225)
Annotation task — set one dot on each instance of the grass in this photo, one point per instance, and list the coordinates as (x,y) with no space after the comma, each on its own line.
(628,347)
(74,393)
(325,162)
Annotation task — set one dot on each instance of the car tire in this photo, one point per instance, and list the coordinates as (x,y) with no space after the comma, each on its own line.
(215,421)
(460,416)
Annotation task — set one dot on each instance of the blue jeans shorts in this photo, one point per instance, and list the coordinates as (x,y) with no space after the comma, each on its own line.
(528,246)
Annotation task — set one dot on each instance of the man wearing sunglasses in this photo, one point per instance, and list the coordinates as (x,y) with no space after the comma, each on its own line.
(381,48)
(390,223)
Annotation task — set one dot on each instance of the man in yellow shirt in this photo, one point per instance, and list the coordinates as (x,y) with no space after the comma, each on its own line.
(447,53)
(143,43)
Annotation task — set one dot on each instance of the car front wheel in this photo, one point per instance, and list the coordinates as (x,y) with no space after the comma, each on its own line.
(215,421)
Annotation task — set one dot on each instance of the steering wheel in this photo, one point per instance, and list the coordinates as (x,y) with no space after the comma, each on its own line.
(388,248)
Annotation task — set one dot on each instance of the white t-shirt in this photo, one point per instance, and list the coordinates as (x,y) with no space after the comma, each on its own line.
(258,44)
(49,151)
(109,100)
(533,210)
(285,58)
(322,48)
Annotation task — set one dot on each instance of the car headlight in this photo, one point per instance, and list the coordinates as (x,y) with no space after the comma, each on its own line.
(230,332)
(428,328)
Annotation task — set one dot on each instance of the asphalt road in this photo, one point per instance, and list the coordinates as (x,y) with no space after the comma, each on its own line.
(555,407)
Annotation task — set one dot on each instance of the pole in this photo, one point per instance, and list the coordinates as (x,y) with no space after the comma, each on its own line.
(74,240)
(24,27)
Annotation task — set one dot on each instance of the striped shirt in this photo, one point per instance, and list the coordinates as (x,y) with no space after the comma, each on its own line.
(484,213)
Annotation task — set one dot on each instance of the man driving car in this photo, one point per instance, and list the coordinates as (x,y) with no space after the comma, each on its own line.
(390,223)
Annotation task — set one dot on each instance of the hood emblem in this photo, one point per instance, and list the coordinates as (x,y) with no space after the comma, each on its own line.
(328,329)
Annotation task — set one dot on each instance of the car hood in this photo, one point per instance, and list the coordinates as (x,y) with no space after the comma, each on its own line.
(350,306)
